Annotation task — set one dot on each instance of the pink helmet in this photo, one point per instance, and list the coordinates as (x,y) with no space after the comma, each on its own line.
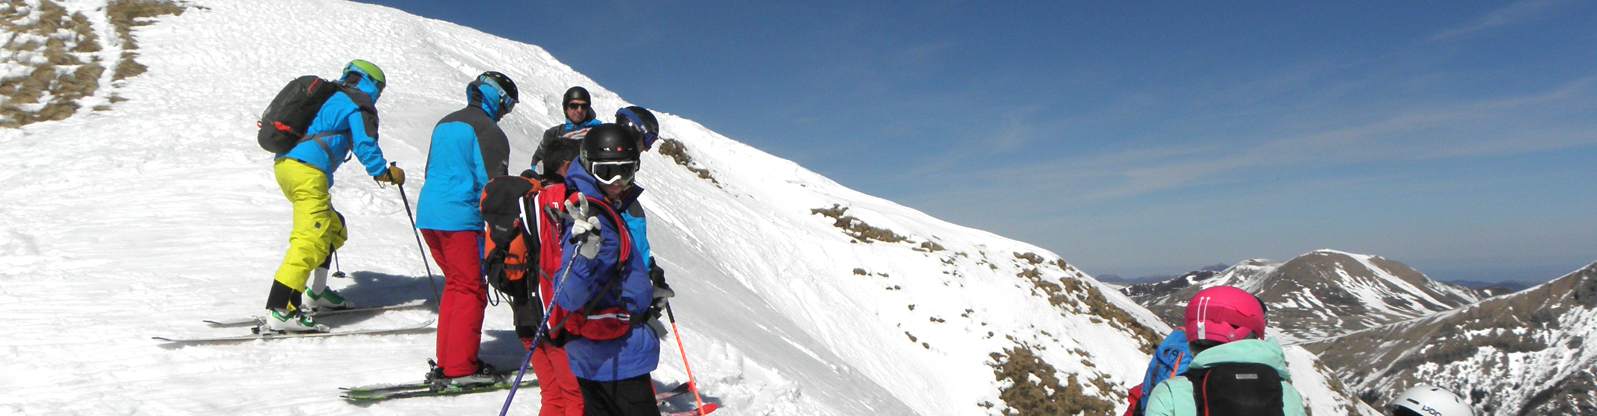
(1224,314)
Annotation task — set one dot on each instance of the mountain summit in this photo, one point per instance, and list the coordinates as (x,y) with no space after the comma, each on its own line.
(1319,294)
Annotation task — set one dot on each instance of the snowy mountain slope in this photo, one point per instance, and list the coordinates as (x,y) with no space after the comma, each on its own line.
(1519,354)
(1319,294)
(143,220)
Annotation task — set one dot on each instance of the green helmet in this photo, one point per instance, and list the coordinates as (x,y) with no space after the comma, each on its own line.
(370,70)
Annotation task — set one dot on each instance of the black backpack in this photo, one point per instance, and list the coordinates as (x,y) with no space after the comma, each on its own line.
(1236,389)
(282,125)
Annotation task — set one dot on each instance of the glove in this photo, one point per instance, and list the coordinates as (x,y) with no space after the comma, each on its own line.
(584,226)
(662,296)
(393,175)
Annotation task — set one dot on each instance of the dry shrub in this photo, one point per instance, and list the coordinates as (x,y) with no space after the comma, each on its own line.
(1033,398)
(1072,295)
(126,14)
(856,228)
(1032,258)
(63,78)
(679,153)
(128,68)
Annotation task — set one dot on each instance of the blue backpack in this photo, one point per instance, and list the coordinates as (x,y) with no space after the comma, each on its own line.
(1169,360)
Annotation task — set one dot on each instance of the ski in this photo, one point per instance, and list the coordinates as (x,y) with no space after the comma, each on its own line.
(409,390)
(708,407)
(269,335)
(386,391)
(257,320)
(414,385)
(678,391)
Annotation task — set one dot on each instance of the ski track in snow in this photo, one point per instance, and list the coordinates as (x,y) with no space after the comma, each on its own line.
(147,219)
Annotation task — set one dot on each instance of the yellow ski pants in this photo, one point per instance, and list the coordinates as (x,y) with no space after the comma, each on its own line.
(317,229)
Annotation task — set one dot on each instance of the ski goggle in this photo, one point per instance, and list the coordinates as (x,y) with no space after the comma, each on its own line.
(609,173)
(505,100)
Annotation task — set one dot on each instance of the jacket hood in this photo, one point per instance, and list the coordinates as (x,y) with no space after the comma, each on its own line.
(1248,351)
(485,97)
(366,86)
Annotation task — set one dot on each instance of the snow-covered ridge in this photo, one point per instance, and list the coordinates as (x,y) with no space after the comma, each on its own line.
(1319,294)
(1525,353)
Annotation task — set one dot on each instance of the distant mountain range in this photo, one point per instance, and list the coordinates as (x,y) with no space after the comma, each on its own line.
(1521,354)
(1493,288)
(1317,295)
(1115,278)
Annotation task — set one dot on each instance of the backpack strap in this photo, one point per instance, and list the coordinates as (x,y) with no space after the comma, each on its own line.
(318,138)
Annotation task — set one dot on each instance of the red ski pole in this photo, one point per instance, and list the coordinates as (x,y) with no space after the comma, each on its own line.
(691,381)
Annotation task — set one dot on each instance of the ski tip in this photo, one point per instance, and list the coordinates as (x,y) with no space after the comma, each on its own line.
(708,408)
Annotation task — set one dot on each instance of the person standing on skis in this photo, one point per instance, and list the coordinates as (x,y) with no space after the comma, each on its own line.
(467,150)
(346,122)
(604,283)
(578,108)
(1242,373)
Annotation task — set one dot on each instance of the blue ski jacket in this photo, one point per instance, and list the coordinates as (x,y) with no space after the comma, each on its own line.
(631,355)
(346,122)
(467,150)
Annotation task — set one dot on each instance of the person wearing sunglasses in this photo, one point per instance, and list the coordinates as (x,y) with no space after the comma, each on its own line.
(577,106)
(607,280)
(346,123)
(468,148)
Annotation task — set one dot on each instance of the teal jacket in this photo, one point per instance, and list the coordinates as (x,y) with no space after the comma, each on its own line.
(1173,397)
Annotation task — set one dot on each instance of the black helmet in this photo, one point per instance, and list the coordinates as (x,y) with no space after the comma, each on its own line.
(610,153)
(641,123)
(508,96)
(576,93)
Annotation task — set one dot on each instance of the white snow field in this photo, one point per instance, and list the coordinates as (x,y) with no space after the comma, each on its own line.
(144,220)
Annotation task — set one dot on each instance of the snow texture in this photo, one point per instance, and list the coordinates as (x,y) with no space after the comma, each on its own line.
(143,221)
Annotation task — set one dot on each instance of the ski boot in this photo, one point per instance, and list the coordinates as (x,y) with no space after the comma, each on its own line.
(327,300)
(285,321)
(485,376)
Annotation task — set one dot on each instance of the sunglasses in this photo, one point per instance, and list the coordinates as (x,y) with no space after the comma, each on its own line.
(609,173)
(575,106)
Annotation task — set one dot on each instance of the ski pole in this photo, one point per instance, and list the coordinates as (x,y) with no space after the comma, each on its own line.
(423,251)
(537,336)
(340,269)
(684,351)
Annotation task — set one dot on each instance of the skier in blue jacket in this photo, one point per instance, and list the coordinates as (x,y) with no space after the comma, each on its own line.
(346,123)
(606,281)
(468,148)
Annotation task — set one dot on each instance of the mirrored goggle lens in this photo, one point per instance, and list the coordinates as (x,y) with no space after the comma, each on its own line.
(611,172)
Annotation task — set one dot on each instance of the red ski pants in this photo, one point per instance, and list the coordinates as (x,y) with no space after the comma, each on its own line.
(561,395)
(459,255)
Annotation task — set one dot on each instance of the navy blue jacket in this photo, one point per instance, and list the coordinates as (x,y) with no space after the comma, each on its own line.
(638,352)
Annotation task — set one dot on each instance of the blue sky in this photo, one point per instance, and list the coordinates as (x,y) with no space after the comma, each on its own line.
(1143,138)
